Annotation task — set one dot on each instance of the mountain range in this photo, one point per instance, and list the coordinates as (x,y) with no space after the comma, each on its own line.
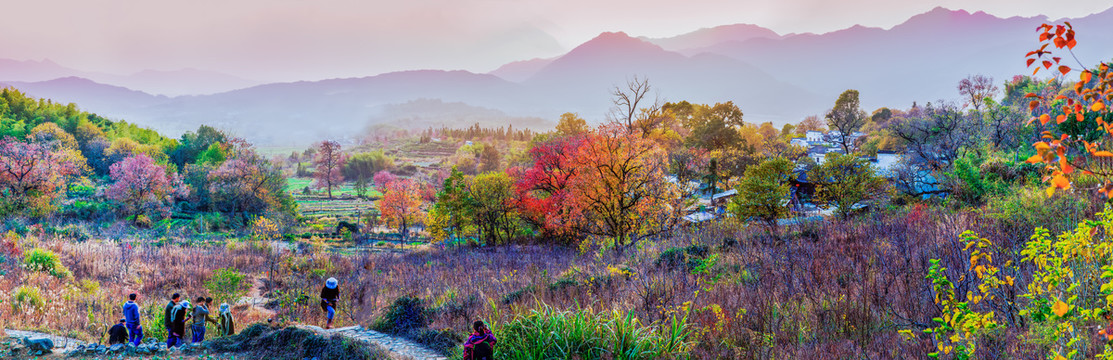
(772,77)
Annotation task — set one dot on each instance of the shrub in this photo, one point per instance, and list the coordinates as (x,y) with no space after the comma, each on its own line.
(226,285)
(142,221)
(25,297)
(405,314)
(263,228)
(689,258)
(295,344)
(1020,209)
(584,334)
(45,261)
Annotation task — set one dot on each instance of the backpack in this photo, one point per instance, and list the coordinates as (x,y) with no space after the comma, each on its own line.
(483,351)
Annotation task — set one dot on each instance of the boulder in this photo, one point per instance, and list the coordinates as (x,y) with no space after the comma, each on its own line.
(116,348)
(38,344)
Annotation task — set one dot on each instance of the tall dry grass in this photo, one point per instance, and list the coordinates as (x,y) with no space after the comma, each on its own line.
(838,289)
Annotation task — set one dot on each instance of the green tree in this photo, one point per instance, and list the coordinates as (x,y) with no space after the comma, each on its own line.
(843,181)
(571,124)
(227,285)
(451,215)
(493,207)
(846,117)
(763,192)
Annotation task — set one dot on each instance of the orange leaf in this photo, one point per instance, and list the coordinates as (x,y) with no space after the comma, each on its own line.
(1035,159)
(1030,61)
(1064,69)
(1032,105)
(1042,146)
(1060,119)
(1085,77)
(1060,308)
(1032,95)
(1047,64)
(1097,106)
(1071,43)
(1103,153)
(1044,119)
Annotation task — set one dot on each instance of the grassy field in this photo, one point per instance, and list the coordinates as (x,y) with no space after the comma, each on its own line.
(295,185)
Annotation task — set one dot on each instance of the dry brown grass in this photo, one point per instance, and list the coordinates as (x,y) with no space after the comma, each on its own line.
(825,290)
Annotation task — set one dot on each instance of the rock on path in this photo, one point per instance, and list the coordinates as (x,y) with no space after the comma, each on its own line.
(397,346)
(61,343)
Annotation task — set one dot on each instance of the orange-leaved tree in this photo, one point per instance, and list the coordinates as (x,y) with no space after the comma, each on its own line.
(401,205)
(619,191)
(1079,142)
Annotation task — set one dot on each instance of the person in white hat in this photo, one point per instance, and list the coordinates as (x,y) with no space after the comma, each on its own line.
(329,295)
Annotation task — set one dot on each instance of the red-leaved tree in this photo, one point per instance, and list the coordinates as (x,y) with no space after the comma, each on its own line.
(543,192)
(33,175)
(382,178)
(143,187)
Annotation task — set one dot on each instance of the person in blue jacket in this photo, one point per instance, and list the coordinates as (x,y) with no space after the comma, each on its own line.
(131,320)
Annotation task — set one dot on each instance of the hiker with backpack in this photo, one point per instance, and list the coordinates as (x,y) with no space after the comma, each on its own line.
(481,343)
(131,320)
(227,323)
(168,320)
(329,296)
(178,318)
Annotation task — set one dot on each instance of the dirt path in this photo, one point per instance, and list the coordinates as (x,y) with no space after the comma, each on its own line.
(256,300)
(399,348)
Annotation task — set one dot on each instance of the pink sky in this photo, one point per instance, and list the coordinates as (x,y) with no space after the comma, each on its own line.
(282,40)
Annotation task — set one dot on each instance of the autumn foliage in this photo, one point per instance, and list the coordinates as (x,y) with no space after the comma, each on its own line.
(33,175)
(143,187)
(1078,150)
(401,205)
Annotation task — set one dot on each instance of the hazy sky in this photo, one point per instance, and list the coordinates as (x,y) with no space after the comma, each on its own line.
(314,39)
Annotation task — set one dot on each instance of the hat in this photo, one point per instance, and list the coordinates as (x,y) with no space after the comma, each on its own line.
(330,283)
(185,304)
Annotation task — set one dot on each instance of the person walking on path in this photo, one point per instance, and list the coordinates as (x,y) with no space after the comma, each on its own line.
(329,296)
(131,320)
(179,316)
(168,319)
(200,315)
(227,323)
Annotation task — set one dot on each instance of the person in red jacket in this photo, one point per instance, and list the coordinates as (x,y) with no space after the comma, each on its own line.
(481,343)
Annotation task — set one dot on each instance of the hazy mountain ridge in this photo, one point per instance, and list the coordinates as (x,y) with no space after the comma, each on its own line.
(772,77)
(187,81)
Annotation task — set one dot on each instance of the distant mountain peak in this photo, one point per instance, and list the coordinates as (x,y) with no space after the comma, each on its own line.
(615,42)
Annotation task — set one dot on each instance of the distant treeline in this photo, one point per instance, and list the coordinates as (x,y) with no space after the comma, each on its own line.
(475,132)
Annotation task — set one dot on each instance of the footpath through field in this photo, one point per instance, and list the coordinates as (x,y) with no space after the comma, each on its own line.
(398,347)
